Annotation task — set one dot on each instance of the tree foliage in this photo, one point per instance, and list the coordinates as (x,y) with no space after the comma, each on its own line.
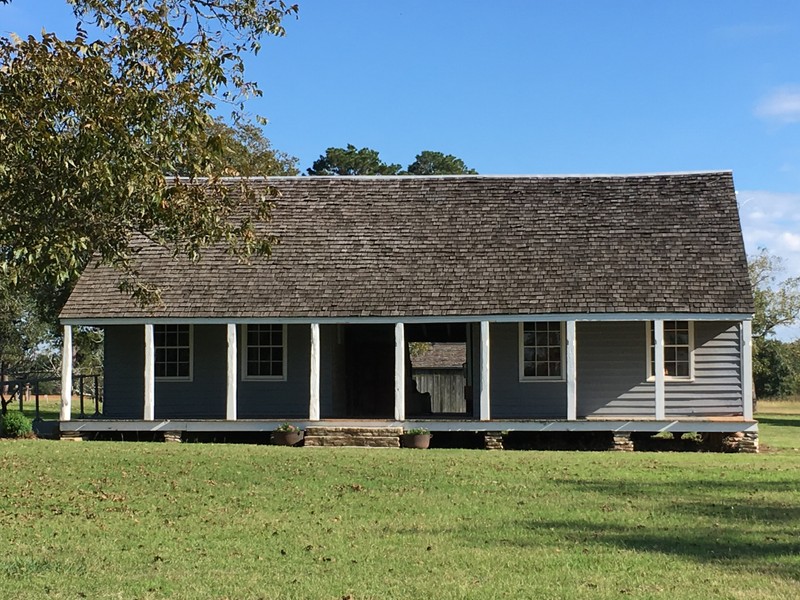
(91,128)
(776,365)
(351,161)
(428,162)
(776,368)
(366,161)
(777,301)
(245,152)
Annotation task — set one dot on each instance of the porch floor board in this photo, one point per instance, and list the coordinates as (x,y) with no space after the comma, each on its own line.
(682,425)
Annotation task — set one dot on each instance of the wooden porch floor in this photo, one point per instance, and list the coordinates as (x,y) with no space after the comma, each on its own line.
(683,425)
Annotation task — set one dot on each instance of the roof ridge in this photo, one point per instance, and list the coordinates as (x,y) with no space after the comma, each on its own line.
(473,176)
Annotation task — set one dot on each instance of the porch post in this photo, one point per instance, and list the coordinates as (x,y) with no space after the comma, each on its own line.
(746,343)
(399,372)
(485,396)
(149,373)
(230,387)
(66,375)
(572,373)
(658,343)
(313,403)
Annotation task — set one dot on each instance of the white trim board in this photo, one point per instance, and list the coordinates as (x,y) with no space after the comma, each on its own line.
(588,317)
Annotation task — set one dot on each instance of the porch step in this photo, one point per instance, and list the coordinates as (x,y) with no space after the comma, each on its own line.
(365,437)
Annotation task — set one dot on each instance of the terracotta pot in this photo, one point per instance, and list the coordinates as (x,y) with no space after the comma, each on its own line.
(415,440)
(287,438)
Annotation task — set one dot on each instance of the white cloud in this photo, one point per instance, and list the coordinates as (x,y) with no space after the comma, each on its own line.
(772,220)
(791,241)
(782,105)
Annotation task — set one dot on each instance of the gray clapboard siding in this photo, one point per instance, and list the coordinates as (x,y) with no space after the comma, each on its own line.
(123,384)
(612,370)
(717,386)
(511,398)
(204,396)
(284,399)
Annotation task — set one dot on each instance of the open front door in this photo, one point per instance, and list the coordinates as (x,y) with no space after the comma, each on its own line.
(369,371)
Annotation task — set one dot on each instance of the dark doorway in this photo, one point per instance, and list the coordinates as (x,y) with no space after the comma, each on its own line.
(369,371)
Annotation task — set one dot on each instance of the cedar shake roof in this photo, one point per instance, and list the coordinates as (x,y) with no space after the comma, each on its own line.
(441,355)
(462,245)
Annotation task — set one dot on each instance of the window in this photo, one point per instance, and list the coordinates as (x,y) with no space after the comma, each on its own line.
(173,350)
(265,352)
(541,350)
(678,345)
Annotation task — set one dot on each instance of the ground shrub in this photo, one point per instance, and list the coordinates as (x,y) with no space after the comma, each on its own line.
(15,424)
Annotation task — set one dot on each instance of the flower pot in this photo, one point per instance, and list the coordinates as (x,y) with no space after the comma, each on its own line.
(287,438)
(415,440)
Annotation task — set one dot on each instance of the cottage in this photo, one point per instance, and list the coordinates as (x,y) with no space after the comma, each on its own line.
(585,303)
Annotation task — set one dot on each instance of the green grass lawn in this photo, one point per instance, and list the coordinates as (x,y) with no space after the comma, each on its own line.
(779,424)
(146,520)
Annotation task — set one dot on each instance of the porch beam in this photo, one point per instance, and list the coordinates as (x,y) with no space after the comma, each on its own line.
(149,373)
(399,372)
(66,375)
(485,396)
(499,318)
(572,373)
(658,343)
(746,344)
(231,375)
(313,402)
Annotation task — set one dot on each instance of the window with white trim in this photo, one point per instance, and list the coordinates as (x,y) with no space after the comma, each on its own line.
(542,351)
(173,351)
(678,349)
(265,351)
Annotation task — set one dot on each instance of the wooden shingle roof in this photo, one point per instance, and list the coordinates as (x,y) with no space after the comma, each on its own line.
(462,245)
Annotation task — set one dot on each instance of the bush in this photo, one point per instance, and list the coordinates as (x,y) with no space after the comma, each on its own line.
(15,424)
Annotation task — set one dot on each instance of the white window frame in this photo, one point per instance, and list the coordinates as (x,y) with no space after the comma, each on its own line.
(541,378)
(244,346)
(650,375)
(191,352)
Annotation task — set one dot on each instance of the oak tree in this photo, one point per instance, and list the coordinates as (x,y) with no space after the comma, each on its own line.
(776,365)
(92,127)
(428,162)
(351,161)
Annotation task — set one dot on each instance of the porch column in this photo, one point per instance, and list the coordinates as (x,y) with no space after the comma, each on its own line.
(572,373)
(485,396)
(746,344)
(66,375)
(231,379)
(399,372)
(658,343)
(149,373)
(313,402)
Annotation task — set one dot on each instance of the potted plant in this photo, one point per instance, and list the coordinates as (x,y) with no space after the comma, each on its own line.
(419,437)
(287,435)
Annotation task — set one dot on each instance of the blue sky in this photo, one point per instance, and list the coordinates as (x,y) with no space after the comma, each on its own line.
(544,87)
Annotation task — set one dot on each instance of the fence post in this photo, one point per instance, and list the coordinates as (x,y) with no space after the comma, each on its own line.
(96,395)
(80,392)
(36,395)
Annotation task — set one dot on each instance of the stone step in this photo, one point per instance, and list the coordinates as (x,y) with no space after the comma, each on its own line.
(358,431)
(362,441)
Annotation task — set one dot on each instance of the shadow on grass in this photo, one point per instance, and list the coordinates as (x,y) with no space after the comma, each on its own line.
(778,422)
(734,548)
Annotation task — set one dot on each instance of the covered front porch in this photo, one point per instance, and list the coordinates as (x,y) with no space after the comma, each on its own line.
(605,371)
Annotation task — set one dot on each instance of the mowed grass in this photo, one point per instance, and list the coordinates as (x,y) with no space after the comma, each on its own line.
(779,424)
(148,520)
